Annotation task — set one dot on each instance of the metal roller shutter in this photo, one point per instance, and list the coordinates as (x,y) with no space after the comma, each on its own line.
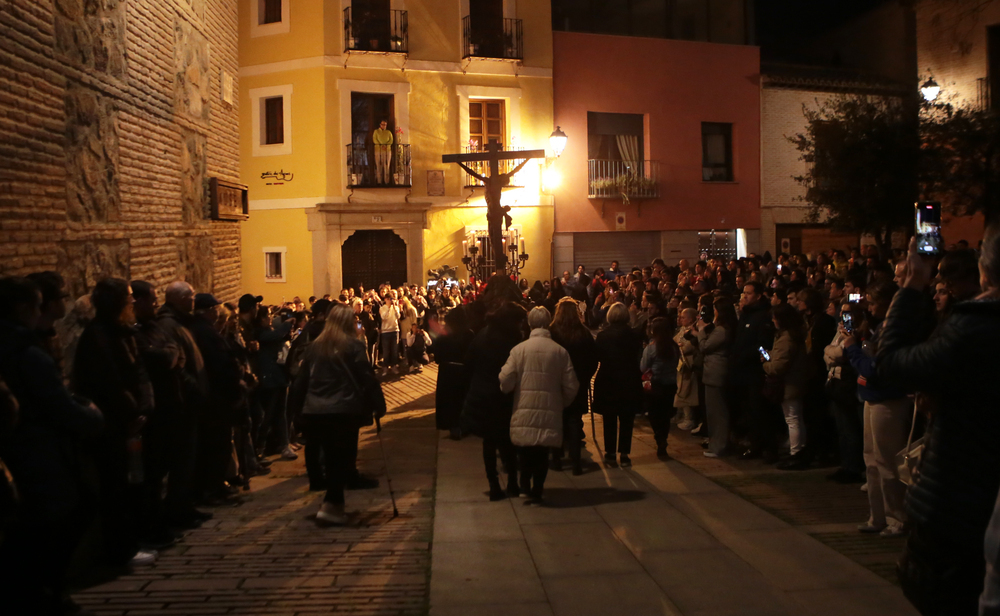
(629,248)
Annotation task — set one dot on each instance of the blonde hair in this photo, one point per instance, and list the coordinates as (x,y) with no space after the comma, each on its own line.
(341,327)
(618,313)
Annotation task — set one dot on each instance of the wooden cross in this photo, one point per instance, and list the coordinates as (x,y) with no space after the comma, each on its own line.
(495,183)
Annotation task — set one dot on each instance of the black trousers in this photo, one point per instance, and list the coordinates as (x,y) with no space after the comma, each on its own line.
(572,437)
(616,440)
(660,406)
(534,468)
(338,437)
(182,434)
(119,502)
(490,448)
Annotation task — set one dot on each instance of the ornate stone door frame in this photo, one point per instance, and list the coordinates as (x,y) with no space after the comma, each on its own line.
(332,223)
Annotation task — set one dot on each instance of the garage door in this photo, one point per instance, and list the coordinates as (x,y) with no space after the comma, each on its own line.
(629,248)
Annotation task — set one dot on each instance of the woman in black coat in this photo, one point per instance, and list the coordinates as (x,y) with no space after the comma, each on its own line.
(618,387)
(487,410)
(569,331)
(449,352)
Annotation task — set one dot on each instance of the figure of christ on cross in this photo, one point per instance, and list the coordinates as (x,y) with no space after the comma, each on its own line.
(496,214)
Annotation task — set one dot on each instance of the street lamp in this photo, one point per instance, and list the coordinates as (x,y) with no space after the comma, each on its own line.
(558,141)
(930,90)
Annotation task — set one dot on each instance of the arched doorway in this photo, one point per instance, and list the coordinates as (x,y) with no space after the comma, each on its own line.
(373,257)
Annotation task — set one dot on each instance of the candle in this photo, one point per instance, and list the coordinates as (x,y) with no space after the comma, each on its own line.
(465,248)
(522,245)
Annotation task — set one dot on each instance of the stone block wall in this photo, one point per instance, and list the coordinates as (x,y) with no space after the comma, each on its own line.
(111,124)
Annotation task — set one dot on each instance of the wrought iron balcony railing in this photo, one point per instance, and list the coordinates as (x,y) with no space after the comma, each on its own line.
(363,166)
(378,31)
(507,44)
(614,179)
(483,167)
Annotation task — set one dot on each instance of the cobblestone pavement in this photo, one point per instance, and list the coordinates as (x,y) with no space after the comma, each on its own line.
(267,556)
(828,512)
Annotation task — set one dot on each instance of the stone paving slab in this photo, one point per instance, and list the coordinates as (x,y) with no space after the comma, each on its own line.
(658,538)
(268,557)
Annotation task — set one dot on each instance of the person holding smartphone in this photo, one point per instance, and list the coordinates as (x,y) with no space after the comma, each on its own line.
(787,362)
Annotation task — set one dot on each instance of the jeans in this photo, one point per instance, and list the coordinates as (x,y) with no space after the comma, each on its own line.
(717,414)
(887,426)
(792,410)
(338,437)
(390,348)
(623,443)
(534,469)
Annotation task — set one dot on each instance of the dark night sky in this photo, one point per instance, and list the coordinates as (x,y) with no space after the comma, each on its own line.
(783,26)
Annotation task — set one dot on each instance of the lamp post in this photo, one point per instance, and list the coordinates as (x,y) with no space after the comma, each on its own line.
(558,141)
(930,90)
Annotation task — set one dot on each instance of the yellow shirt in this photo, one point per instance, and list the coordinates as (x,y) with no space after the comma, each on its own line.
(382,136)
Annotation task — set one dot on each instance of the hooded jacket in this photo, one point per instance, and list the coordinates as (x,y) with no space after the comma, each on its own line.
(540,373)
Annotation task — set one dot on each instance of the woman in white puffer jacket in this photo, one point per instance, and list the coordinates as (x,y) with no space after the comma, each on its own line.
(540,373)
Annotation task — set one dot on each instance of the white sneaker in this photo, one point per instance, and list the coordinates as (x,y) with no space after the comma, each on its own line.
(288,454)
(687,424)
(709,454)
(144,557)
(337,518)
(893,530)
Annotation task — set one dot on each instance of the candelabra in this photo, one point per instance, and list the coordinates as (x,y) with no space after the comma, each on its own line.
(477,255)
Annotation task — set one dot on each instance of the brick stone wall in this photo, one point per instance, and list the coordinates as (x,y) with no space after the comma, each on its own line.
(110,126)
(951,44)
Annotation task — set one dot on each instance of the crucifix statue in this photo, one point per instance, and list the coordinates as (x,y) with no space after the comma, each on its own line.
(496,214)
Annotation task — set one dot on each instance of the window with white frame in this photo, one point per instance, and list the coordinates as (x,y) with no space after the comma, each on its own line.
(271,123)
(274,264)
(269,17)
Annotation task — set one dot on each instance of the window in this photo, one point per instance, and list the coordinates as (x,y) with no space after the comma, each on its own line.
(270,12)
(615,136)
(827,136)
(269,17)
(716,152)
(487,121)
(274,264)
(992,96)
(271,120)
(274,120)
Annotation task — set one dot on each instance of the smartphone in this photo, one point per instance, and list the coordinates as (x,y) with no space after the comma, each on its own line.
(848,320)
(928,228)
(854,298)
(765,354)
(707,314)
(779,268)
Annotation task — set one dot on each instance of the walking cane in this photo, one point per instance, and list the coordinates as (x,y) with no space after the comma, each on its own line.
(385,459)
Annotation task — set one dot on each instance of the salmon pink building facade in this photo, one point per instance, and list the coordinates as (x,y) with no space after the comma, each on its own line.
(663,157)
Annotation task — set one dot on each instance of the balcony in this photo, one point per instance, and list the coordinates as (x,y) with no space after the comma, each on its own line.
(483,167)
(376,32)
(625,180)
(505,45)
(362,171)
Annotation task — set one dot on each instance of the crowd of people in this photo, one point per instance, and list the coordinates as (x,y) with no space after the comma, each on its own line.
(141,416)
(879,367)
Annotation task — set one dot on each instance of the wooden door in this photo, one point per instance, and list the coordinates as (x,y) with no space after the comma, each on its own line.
(373,257)
(486,23)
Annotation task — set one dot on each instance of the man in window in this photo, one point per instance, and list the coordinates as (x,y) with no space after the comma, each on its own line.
(382,138)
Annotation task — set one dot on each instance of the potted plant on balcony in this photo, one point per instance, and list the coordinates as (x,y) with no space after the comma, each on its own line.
(627,185)
(397,42)
(399,173)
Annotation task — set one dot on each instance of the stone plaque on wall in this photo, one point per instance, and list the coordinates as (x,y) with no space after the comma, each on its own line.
(228,200)
(83,263)
(194,169)
(195,263)
(191,72)
(92,157)
(92,34)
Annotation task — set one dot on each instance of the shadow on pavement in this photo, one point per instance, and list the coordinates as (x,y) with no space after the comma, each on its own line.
(566,498)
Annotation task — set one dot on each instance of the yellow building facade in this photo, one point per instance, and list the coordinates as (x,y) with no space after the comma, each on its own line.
(329,207)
